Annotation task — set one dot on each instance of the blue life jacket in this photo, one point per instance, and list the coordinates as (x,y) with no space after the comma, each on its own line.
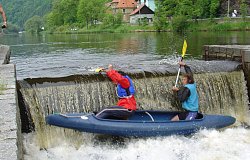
(192,103)
(124,93)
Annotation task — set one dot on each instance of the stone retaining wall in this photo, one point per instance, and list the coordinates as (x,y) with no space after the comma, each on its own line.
(10,127)
(239,53)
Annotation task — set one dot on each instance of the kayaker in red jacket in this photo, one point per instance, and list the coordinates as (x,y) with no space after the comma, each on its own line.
(125,92)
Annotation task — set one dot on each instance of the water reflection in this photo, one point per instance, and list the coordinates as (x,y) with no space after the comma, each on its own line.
(66,53)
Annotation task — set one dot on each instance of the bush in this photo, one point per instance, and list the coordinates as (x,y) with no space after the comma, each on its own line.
(179,23)
(34,24)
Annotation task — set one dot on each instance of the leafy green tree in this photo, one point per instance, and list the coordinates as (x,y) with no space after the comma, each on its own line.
(63,12)
(179,23)
(90,12)
(243,9)
(214,6)
(19,11)
(185,7)
(112,20)
(163,12)
(34,24)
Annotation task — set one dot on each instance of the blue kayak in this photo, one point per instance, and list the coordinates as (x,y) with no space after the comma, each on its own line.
(141,124)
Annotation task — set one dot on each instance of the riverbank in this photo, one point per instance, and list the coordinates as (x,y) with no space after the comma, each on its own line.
(220,24)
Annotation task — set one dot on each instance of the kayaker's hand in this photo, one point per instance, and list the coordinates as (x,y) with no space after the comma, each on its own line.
(110,67)
(99,70)
(175,89)
(181,63)
(4,25)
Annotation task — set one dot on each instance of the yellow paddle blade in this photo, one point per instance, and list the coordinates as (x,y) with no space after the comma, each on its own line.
(184,49)
(98,70)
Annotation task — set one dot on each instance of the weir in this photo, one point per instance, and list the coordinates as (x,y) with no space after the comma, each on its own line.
(222,92)
(240,53)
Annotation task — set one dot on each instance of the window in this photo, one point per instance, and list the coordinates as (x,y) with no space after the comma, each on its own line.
(123,10)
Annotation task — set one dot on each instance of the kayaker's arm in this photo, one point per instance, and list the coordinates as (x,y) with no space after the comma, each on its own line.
(188,70)
(186,67)
(183,93)
(118,78)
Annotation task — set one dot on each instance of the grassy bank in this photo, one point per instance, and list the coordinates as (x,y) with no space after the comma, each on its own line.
(190,26)
(124,28)
(215,26)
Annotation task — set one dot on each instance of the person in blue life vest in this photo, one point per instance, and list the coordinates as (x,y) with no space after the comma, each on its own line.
(125,91)
(188,96)
(3,16)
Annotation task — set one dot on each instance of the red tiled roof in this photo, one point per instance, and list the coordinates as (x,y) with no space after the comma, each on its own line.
(115,1)
(126,4)
(137,9)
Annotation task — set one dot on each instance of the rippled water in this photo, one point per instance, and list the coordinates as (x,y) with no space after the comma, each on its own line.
(63,55)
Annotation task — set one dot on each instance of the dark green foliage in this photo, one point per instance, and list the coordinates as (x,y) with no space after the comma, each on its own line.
(191,9)
(214,6)
(179,23)
(90,12)
(19,11)
(161,15)
(34,24)
(111,20)
(243,9)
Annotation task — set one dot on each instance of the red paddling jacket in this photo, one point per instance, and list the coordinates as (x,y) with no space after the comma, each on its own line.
(129,101)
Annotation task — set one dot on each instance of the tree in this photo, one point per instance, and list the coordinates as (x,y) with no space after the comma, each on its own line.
(243,9)
(179,23)
(214,6)
(112,20)
(165,10)
(63,12)
(90,12)
(18,12)
(34,24)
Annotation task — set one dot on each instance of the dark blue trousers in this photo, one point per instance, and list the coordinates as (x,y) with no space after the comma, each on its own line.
(115,112)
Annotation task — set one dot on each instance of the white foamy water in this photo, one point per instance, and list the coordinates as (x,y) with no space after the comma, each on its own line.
(229,144)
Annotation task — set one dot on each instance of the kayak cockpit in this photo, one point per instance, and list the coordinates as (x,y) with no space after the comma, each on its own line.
(151,116)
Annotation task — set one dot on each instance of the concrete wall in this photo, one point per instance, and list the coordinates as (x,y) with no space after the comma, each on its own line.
(239,53)
(10,128)
(134,18)
(4,54)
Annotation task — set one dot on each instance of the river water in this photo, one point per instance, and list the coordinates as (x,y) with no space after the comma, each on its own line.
(63,55)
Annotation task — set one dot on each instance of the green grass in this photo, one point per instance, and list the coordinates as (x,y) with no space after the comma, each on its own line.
(123,28)
(223,26)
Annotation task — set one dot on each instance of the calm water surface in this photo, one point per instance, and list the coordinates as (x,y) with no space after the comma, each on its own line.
(60,55)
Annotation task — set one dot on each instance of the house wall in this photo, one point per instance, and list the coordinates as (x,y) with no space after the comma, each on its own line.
(134,18)
(126,16)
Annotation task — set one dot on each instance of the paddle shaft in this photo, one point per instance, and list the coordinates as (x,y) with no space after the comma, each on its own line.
(177,78)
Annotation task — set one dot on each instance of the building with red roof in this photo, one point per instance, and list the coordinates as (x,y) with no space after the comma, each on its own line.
(130,8)
(143,12)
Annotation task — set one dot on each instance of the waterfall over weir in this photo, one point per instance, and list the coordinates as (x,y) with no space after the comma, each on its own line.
(220,93)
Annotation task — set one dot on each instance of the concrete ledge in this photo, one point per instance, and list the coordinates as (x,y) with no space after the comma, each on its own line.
(246,56)
(240,53)
(10,124)
(8,114)
(4,54)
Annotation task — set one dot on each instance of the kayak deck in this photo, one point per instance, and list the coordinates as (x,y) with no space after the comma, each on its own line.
(151,116)
(141,124)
